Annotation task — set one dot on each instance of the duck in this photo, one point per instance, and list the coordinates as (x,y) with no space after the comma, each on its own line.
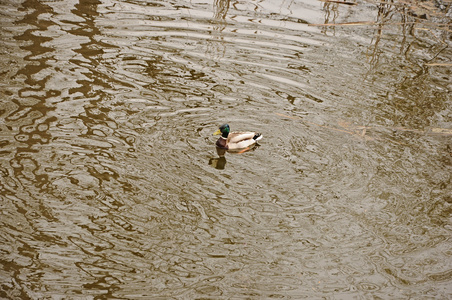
(236,140)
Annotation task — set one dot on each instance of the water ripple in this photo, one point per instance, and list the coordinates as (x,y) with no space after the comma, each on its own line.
(106,146)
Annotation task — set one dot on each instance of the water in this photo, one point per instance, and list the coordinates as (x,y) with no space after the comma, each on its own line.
(111,187)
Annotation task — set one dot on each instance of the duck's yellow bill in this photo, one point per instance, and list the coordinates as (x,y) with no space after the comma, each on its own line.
(217,132)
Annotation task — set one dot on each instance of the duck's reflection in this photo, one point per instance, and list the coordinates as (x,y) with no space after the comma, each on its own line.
(220,161)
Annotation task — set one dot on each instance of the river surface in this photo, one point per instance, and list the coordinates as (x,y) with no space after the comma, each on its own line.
(111,186)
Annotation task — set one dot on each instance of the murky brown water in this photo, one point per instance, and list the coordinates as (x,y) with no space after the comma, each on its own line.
(108,182)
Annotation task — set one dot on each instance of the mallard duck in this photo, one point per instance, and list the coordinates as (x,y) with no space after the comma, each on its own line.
(236,140)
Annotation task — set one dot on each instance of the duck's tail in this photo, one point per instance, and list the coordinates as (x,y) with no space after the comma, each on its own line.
(257,136)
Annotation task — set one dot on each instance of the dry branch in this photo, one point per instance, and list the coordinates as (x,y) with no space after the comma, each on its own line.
(339,2)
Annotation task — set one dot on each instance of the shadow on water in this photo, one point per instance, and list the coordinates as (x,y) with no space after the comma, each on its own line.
(50,167)
(26,124)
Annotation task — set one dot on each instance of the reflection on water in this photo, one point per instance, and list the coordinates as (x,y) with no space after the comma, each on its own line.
(106,116)
(220,161)
(220,9)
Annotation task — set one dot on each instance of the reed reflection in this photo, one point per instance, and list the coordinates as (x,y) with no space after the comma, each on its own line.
(217,48)
(391,55)
(415,87)
(221,8)
(331,15)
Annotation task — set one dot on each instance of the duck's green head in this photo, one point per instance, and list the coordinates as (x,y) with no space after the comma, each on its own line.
(223,130)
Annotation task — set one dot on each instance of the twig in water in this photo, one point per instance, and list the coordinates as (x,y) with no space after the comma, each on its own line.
(339,2)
